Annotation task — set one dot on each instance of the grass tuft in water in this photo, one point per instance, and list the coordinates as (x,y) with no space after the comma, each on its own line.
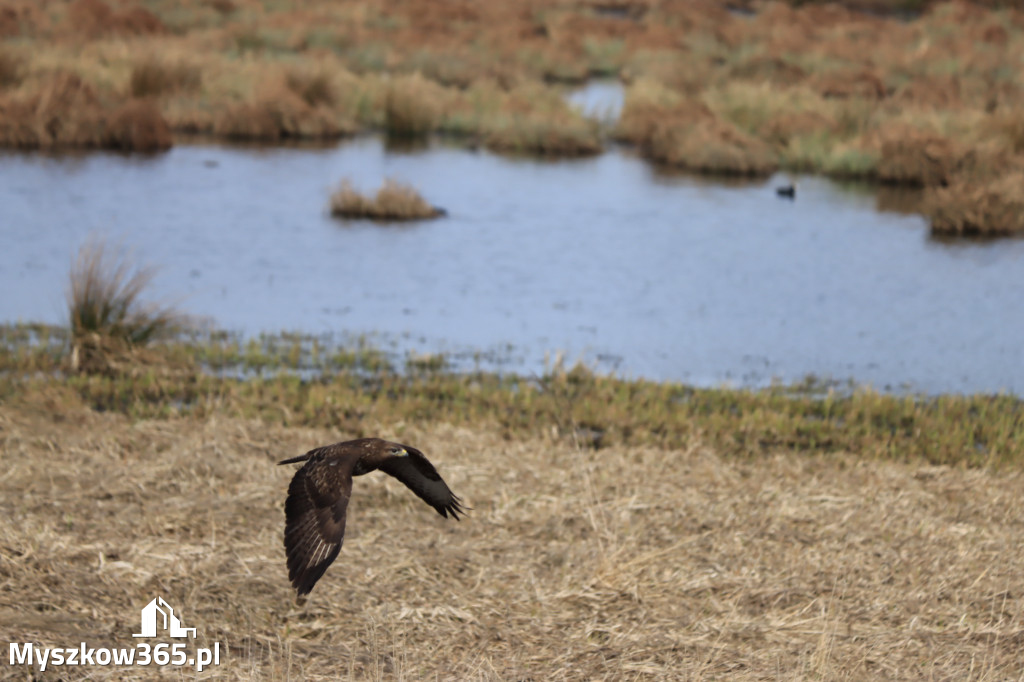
(393,201)
(107,315)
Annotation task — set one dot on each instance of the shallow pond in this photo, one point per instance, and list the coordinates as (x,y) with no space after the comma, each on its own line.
(640,273)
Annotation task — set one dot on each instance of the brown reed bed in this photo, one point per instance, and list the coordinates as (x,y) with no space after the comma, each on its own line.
(677,131)
(972,209)
(66,112)
(803,86)
(542,135)
(394,201)
(154,77)
(411,107)
(109,321)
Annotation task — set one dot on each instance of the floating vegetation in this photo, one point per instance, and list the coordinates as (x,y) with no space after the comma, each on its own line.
(393,201)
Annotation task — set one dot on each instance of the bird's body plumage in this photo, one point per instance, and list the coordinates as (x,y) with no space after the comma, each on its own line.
(318,496)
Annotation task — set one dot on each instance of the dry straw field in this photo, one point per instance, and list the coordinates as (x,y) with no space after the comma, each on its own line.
(619,563)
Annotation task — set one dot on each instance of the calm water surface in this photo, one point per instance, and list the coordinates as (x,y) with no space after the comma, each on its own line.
(643,274)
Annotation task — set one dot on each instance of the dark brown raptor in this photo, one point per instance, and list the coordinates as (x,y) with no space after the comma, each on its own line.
(319,493)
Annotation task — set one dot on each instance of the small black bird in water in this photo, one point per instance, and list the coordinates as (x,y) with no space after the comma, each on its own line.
(319,492)
(786,191)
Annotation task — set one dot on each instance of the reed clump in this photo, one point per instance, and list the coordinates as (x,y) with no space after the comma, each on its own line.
(918,159)
(411,106)
(394,201)
(674,130)
(109,321)
(542,134)
(12,69)
(66,112)
(315,87)
(137,125)
(155,77)
(978,209)
(709,145)
(289,108)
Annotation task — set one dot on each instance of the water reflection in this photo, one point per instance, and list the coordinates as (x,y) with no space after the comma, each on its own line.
(638,271)
(601,99)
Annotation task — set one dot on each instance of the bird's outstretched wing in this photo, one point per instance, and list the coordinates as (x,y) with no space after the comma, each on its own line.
(315,518)
(420,476)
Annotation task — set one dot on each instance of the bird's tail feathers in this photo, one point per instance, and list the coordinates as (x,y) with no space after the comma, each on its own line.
(293,460)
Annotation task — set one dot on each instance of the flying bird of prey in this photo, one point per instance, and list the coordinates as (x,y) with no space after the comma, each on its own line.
(319,493)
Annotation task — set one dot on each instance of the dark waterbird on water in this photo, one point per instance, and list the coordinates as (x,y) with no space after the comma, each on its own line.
(786,191)
(319,493)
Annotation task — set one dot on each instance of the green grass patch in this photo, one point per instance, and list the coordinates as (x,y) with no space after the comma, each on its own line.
(295,380)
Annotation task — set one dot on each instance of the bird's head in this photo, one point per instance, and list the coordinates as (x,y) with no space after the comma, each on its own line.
(375,453)
(396,450)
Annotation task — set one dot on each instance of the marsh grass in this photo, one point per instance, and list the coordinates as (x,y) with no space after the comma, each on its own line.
(412,106)
(107,315)
(809,86)
(12,69)
(918,159)
(308,382)
(315,87)
(972,209)
(155,77)
(684,132)
(63,111)
(544,135)
(394,201)
(289,107)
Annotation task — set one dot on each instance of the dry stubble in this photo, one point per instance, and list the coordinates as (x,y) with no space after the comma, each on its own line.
(613,564)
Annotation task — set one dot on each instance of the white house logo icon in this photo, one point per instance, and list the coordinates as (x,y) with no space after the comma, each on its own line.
(171,622)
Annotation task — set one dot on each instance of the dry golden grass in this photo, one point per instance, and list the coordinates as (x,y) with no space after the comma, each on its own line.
(625,563)
(155,77)
(411,107)
(64,111)
(966,208)
(807,86)
(12,69)
(918,159)
(107,316)
(393,201)
(684,132)
(540,134)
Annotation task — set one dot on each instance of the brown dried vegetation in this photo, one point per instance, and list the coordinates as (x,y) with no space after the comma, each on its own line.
(393,201)
(813,86)
(110,323)
(685,133)
(65,112)
(95,18)
(154,77)
(969,208)
(627,562)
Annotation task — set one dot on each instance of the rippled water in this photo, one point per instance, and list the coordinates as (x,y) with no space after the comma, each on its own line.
(644,274)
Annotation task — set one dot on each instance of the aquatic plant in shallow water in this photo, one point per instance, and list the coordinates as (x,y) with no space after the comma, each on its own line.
(393,201)
(106,313)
